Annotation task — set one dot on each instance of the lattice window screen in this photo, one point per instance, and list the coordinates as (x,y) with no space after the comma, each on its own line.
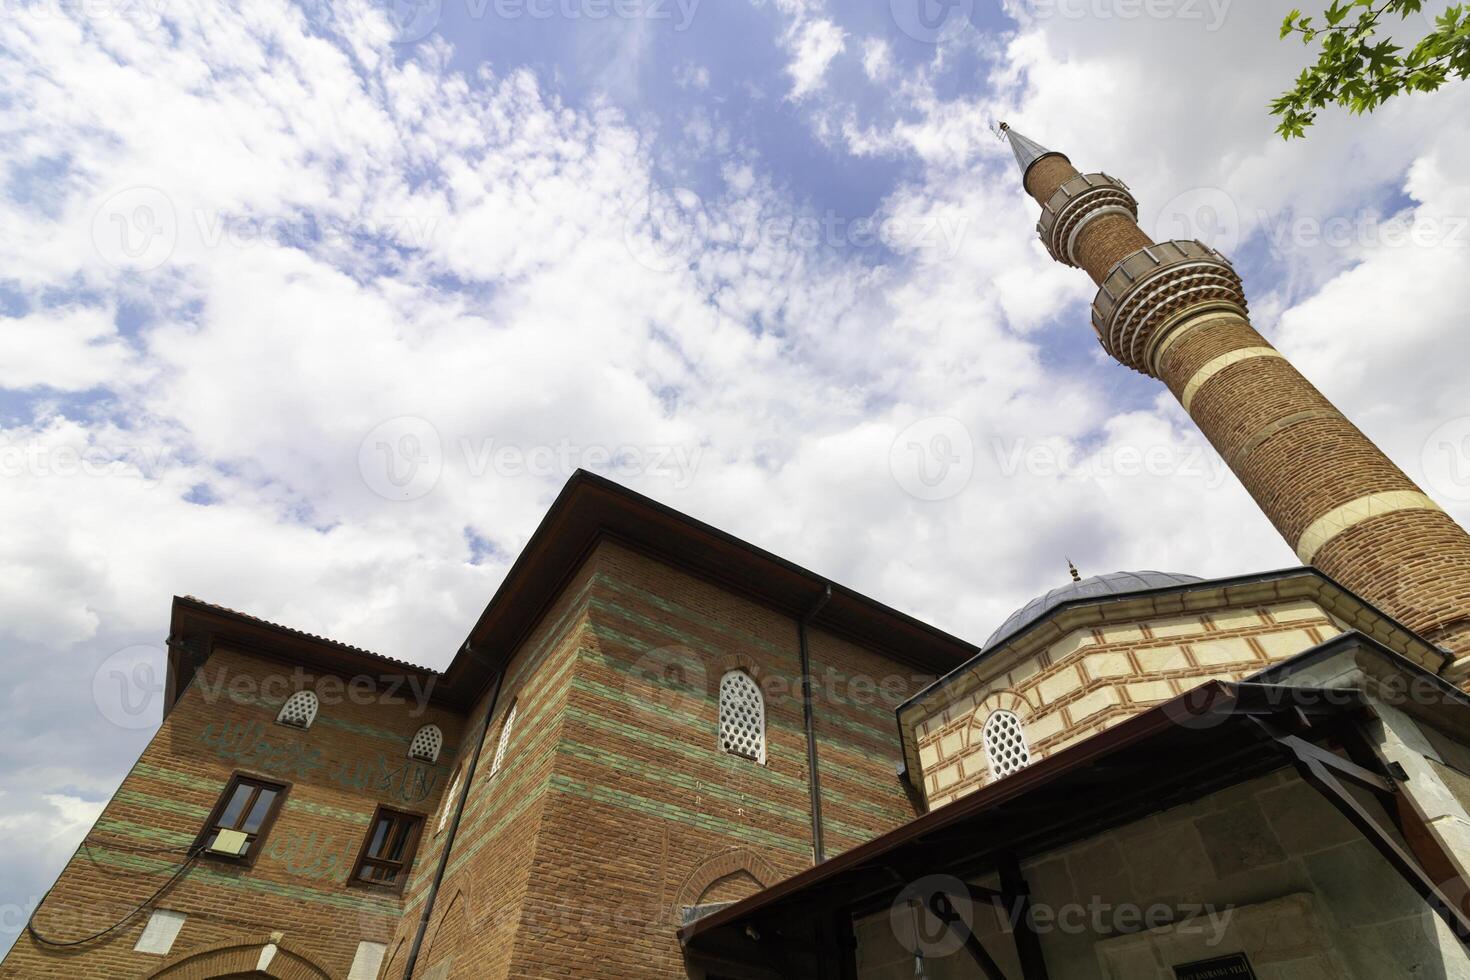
(449,800)
(427,742)
(742,717)
(510,719)
(1005,744)
(299,711)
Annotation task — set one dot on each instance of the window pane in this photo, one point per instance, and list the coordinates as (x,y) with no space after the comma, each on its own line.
(377,875)
(380,835)
(259,810)
(400,841)
(231,815)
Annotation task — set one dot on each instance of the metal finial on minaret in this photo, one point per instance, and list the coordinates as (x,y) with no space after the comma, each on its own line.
(1076,575)
(1027,151)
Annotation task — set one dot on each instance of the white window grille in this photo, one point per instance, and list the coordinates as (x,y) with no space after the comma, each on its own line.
(1005,744)
(510,719)
(449,800)
(427,742)
(299,711)
(742,717)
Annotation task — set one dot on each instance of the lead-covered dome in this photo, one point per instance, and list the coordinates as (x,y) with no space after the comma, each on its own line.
(1098,586)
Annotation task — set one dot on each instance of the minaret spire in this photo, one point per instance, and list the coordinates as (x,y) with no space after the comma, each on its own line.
(1027,150)
(1177,311)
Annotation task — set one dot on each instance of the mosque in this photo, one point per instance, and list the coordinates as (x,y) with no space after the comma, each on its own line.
(664,752)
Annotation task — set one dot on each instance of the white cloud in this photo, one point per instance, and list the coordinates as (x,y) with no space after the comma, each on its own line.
(877,59)
(69,348)
(813,46)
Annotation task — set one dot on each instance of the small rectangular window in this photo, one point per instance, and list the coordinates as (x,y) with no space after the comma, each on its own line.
(387,851)
(248,806)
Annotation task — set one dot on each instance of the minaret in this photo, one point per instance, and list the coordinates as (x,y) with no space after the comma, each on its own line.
(1176,311)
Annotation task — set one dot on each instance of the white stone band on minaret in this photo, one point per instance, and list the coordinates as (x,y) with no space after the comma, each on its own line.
(1349,515)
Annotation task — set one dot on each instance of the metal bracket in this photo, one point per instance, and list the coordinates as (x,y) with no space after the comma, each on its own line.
(1321,770)
(945,912)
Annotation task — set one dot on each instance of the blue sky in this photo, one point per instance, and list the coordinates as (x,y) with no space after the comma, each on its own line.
(311,310)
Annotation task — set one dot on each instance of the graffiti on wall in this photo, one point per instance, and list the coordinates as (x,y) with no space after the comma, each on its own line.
(309,855)
(248,745)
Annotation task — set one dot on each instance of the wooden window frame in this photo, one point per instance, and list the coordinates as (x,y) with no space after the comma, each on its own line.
(257,840)
(410,850)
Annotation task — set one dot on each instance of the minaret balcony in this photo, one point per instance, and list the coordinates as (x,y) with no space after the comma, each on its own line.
(1153,288)
(1076,204)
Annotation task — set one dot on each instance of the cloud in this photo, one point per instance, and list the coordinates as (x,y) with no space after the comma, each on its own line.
(66,348)
(813,46)
(877,59)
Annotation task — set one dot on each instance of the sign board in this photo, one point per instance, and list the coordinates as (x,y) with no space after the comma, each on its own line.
(1233,967)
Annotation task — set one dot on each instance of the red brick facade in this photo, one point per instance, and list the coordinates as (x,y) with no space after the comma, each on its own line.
(1333,495)
(613,810)
(353,758)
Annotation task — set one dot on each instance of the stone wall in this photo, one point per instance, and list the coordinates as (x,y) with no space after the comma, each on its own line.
(1266,868)
(1095,677)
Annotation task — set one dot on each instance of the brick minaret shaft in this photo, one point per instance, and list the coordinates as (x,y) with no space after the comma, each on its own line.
(1176,311)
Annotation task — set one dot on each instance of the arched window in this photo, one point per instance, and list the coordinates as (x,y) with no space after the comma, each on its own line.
(1005,744)
(505,726)
(742,717)
(450,799)
(427,742)
(299,711)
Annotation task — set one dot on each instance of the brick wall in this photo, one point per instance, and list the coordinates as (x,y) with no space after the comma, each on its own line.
(619,809)
(1339,502)
(477,916)
(353,758)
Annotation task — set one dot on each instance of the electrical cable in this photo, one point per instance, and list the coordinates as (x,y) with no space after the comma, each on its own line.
(61,944)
